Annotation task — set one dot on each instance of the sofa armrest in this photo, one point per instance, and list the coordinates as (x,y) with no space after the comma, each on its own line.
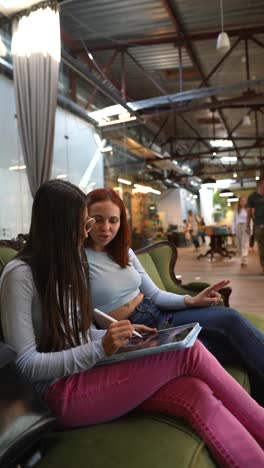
(199,286)
(25,417)
(196,286)
(225,293)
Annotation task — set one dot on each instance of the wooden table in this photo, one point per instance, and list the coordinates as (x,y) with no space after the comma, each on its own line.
(217,245)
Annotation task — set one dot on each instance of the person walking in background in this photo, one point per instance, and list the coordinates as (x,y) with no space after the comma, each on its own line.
(240,230)
(187,234)
(193,227)
(255,211)
(201,228)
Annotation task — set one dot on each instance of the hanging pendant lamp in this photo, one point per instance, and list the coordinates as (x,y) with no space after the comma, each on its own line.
(223,41)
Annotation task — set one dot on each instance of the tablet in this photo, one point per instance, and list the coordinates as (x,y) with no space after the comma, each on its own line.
(168,339)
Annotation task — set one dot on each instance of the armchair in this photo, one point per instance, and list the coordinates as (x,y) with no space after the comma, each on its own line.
(159,261)
(142,440)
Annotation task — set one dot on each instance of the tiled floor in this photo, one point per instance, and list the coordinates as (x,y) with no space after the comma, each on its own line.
(247,283)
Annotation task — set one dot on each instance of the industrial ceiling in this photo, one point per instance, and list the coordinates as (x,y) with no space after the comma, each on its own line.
(158,60)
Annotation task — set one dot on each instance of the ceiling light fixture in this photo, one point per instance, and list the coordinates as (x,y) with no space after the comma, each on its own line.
(223,41)
(124,181)
(223,183)
(145,189)
(221,143)
(228,159)
(232,199)
(210,182)
(17,168)
(246,122)
(226,193)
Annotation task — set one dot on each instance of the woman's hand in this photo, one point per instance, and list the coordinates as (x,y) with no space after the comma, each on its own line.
(207,297)
(143,328)
(117,335)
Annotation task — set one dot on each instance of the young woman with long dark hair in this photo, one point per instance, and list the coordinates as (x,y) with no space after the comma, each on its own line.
(47,319)
(131,294)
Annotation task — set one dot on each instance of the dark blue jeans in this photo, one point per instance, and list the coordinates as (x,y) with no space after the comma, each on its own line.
(226,333)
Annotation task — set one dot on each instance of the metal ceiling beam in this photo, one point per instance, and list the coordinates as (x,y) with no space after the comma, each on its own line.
(229,135)
(81,70)
(197,139)
(106,69)
(257,41)
(195,131)
(158,132)
(176,39)
(194,94)
(219,63)
(148,75)
(170,7)
(172,15)
(99,70)
(202,173)
(223,104)
(260,144)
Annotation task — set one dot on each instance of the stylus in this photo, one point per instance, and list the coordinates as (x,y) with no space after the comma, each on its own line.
(111,319)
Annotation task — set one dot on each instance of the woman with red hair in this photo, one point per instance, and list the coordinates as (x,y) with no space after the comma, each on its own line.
(121,287)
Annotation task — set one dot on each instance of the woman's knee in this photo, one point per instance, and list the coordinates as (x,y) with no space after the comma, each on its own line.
(226,317)
(194,392)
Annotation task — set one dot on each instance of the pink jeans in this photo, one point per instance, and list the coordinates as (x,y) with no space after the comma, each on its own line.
(189,383)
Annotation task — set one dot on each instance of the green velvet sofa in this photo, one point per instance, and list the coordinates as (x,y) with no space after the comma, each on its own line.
(136,440)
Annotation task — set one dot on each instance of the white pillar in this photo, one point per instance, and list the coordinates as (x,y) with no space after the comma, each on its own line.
(206,204)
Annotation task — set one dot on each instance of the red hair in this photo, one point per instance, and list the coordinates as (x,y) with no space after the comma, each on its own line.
(118,247)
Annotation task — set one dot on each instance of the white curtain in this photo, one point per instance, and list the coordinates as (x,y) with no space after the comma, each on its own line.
(36,56)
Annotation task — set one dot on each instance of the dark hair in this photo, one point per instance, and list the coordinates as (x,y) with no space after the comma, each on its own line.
(118,247)
(239,204)
(54,255)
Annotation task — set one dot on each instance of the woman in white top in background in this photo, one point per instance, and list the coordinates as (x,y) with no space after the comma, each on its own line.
(239,228)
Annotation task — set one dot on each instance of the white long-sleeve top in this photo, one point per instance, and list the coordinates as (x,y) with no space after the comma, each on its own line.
(112,286)
(239,218)
(21,322)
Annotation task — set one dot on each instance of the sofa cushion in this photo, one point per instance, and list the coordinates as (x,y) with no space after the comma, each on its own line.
(132,441)
(256,319)
(6,254)
(149,265)
(156,262)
